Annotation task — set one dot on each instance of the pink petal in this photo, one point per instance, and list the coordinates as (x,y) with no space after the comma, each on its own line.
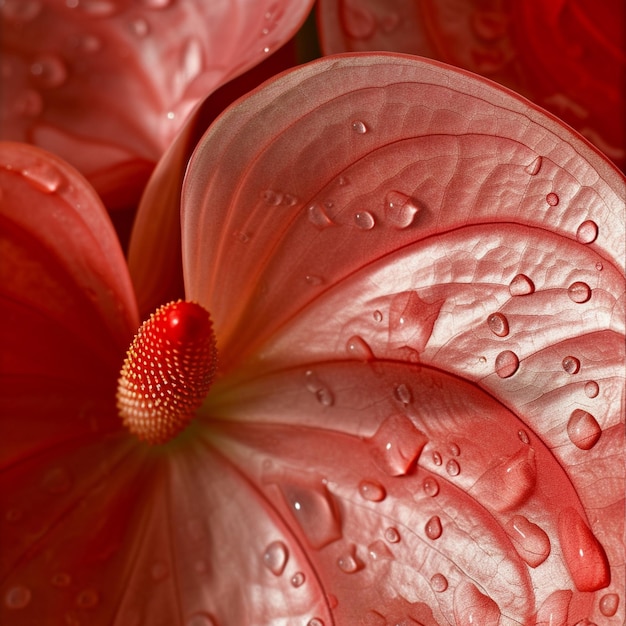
(382,238)
(106,84)
(566,56)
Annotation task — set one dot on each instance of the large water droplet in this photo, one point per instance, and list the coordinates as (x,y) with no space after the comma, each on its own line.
(43,176)
(275,557)
(498,324)
(521,285)
(49,70)
(439,583)
(509,483)
(587,232)
(400,209)
(430,486)
(364,220)
(359,127)
(403,394)
(571,364)
(433,528)
(392,535)
(87,599)
(579,292)
(507,363)
(534,167)
(554,608)
(57,481)
(315,511)
(317,215)
(552,199)
(378,551)
(298,579)
(348,562)
(592,389)
(372,490)
(473,608)
(609,604)
(358,348)
(584,555)
(531,542)
(583,429)
(453,468)
(17,597)
(396,445)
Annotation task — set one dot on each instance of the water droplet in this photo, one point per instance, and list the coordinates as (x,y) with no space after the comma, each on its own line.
(592,389)
(358,348)
(583,429)
(430,486)
(509,483)
(437,460)
(523,436)
(433,528)
(348,561)
(400,209)
(87,599)
(372,490)
(439,583)
(99,8)
(17,597)
(454,449)
(364,220)
(43,176)
(403,394)
(57,481)
(521,285)
(507,363)
(396,445)
(315,511)
(584,555)
(609,604)
(531,542)
(315,621)
(534,167)
(378,551)
(139,27)
(297,580)
(275,557)
(453,468)
(61,580)
(358,22)
(552,199)
(599,266)
(411,321)
(88,43)
(359,127)
(322,393)
(317,215)
(579,292)
(571,364)
(378,316)
(200,619)
(49,70)
(471,607)
(272,197)
(157,4)
(392,535)
(498,324)
(313,280)
(159,571)
(20,10)
(587,232)
(191,61)
(325,397)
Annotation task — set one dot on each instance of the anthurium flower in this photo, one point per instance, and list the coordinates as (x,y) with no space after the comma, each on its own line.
(568,56)
(107,84)
(406,286)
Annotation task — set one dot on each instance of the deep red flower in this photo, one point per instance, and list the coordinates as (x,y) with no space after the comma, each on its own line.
(416,282)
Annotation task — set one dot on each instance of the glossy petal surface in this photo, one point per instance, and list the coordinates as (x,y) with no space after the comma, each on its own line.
(567,56)
(107,83)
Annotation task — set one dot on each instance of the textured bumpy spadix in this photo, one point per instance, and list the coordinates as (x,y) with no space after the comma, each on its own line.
(168,371)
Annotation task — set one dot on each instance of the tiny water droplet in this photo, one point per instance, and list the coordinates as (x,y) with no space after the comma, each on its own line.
(552,199)
(403,394)
(599,266)
(28,103)
(49,70)
(579,292)
(57,481)
(454,449)
(533,168)
(372,490)
(61,580)
(43,176)
(498,324)
(592,389)
(348,561)
(430,486)
(297,580)
(571,364)
(583,429)
(453,468)
(400,209)
(325,397)
(521,285)
(437,460)
(159,571)
(87,599)
(378,316)
(200,619)
(378,551)
(359,127)
(587,232)
(139,27)
(531,542)
(275,557)
(17,597)
(433,527)
(523,436)
(358,348)
(396,445)
(313,280)
(439,583)
(317,215)
(88,43)
(364,220)
(315,621)
(272,197)
(392,535)
(609,604)
(507,363)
